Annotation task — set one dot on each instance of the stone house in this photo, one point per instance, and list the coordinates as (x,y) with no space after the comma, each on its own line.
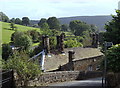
(83,59)
(78,58)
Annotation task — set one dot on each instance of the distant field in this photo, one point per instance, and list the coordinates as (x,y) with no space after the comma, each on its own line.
(6,32)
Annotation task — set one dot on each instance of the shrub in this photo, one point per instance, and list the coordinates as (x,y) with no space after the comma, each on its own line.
(24,69)
(72,43)
(6,51)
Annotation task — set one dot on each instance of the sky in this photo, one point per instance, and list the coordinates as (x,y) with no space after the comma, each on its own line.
(37,9)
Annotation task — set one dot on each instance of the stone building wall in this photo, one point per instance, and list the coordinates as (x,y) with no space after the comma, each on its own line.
(86,64)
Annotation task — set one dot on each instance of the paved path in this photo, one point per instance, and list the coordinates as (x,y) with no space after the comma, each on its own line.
(90,83)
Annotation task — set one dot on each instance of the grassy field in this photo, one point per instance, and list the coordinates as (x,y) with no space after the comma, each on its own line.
(6,32)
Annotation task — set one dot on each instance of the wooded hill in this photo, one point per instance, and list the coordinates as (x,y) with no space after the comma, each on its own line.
(99,21)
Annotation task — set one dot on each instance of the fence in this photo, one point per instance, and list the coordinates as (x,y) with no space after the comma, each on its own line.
(7,79)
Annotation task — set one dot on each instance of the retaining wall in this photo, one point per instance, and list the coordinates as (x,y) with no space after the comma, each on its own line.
(52,77)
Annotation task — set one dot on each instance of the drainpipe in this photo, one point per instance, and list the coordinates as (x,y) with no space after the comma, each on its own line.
(42,60)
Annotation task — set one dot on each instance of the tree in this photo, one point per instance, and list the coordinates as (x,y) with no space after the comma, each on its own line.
(113,58)
(22,40)
(112,33)
(35,35)
(6,51)
(41,22)
(12,26)
(3,17)
(64,27)
(25,21)
(18,21)
(53,23)
(73,25)
(94,28)
(12,20)
(77,27)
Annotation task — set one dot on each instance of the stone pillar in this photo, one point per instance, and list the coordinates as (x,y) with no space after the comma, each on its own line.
(71,57)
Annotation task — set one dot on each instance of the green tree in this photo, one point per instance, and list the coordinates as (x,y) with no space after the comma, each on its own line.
(113,58)
(12,26)
(53,23)
(6,51)
(42,22)
(112,33)
(77,27)
(35,35)
(94,28)
(12,20)
(22,40)
(64,27)
(26,70)
(25,21)
(3,17)
(18,21)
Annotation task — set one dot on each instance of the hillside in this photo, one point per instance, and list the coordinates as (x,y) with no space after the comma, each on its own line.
(6,32)
(99,21)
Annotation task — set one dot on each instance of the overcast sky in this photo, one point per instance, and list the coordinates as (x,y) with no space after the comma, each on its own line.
(37,9)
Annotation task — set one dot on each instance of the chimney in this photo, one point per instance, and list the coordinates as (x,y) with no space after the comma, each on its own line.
(58,42)
(71,57)
(62,42)
(45,43)
(95,39)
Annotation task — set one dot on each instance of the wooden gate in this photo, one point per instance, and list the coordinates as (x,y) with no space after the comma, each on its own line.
(6,79)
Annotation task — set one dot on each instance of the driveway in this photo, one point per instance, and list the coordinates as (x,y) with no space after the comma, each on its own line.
(90,83)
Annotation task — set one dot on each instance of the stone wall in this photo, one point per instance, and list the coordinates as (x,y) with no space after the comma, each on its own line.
(60,76)
(113,80)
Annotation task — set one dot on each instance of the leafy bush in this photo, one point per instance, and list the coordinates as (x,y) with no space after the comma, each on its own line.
(72,43)
(113,58)
(24,69)
(53,42)
(6,51)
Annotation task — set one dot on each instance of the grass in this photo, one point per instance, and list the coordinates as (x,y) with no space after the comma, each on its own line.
(6,32)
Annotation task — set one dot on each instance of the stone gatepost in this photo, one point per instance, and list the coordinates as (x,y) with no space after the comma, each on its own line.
(71,56)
